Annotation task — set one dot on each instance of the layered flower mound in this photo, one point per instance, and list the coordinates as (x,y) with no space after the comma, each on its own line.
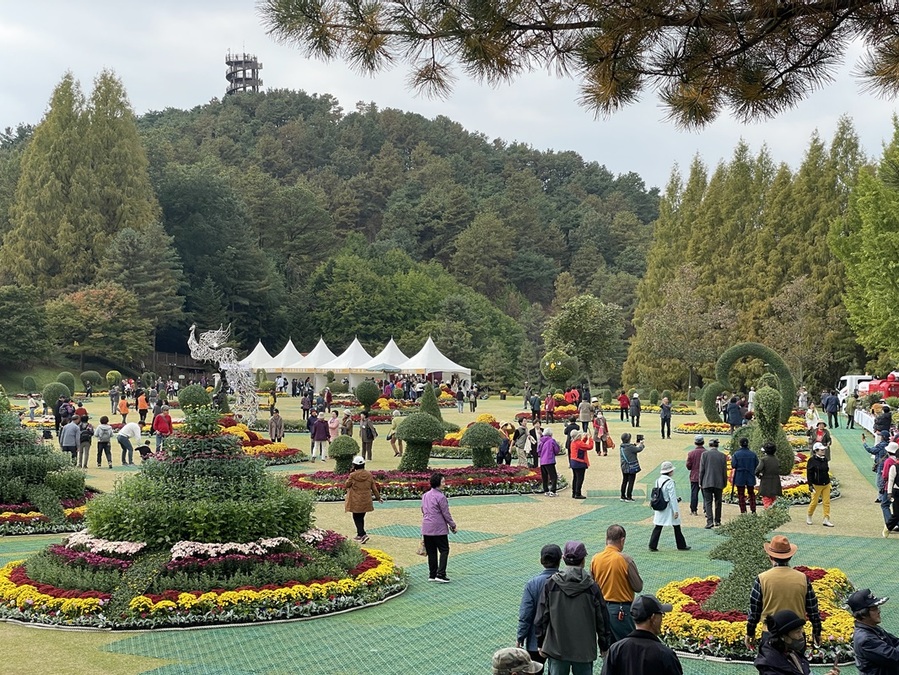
(689,628)
(501,480)
(23,518)
(370,577)
(794,425)
(257,446)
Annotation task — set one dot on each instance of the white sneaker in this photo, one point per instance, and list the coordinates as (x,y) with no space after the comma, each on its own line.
(550,494)
(886,532)
(808,520)
(827,523)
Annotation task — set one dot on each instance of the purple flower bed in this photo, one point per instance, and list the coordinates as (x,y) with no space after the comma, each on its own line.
(87,559)
(236,561)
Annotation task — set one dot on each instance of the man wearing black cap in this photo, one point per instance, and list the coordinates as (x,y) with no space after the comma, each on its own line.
(572,618)
(641,652)
(876,651)
(550,557)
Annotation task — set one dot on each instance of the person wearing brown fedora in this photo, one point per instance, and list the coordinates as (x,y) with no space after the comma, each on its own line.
(781,588)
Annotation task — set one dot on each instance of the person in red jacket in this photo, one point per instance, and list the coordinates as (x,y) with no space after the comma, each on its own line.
(162,426)
(624,405)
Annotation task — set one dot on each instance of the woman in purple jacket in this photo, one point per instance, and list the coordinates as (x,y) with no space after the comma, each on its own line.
(547,450)
(436,524)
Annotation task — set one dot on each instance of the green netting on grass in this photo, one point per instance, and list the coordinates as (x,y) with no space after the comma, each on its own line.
(414,532)
(851,441)
(486,500)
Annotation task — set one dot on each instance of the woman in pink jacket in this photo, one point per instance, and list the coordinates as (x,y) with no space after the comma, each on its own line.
(436,524)
(334,426)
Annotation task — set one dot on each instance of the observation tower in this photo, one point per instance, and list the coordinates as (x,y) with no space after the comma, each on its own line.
(242,73)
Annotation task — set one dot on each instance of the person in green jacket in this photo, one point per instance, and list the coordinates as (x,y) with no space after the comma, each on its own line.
(851,403)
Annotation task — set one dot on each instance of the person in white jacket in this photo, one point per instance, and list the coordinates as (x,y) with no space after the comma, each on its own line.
(670,515)
(128,433)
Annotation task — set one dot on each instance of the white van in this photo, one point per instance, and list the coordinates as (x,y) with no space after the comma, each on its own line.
(850,383)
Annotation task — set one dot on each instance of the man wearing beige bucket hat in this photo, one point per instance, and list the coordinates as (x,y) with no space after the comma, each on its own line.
(781,588)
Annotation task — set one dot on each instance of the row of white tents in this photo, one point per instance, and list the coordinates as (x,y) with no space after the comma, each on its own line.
(354,363)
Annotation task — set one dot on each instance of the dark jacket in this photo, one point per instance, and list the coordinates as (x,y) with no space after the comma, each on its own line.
(773,662)
(635,406)
(883,422)
(817,471)
(733,415)
(769,473)
(744,462)
(665,411)
(831,404)
(876,651)
(693,458)
(641,653)
(713,469)
(527,611)
(320,431)
(572,617)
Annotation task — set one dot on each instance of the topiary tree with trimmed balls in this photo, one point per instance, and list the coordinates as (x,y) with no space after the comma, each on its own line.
(68,379)
(558,368)
(428,403)
(482,438)
(398,393)
(367,392)
(342,450)
(113,378)
(29,384)
(193,396)
(419,431)
(786,384)
(53,391)
(744,547)
(91,376)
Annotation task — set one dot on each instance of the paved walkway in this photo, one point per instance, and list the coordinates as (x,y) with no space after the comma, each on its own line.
(454,628)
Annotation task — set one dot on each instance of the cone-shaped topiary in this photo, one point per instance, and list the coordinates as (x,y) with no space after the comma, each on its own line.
(667,394)
(367,392)
(193,396)
(113,378)
(744,547)
(342,450)
(428,403)
(67,379)
(29,384)
(419,431)
(201,488)
(54,390)
(654,396)
(607,396)
(482,438)
(4,401)
(767,428)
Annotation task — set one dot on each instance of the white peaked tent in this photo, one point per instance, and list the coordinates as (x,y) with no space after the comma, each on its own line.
(285,360)
(350,362)
(431,360)
(389,356)
(308,364)
(256,358)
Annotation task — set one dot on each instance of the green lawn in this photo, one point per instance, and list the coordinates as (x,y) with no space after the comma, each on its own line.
(455,628)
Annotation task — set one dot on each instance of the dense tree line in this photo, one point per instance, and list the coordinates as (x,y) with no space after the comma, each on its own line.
(285,215)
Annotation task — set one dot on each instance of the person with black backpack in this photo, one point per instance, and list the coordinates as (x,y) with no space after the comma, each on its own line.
(84,442)
(666,509)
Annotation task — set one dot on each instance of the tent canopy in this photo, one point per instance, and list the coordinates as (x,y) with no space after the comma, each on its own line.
(352,359)
(288,355)
(256,358)
(388,359)
(308,364)
(431,360)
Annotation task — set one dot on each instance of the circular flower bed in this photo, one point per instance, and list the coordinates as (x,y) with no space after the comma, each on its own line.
(256,446)
(24,518)
(689,628)
(228,583)
(502,480)
(794,425)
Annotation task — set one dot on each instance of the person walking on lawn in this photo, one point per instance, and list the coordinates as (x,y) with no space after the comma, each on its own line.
(547,449)
(818,477)
(670,515)
(572,618)
(693,458)
(712,480)
(550,557)
(361,491)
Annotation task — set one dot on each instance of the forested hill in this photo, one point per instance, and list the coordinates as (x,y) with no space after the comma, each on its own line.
(291,217)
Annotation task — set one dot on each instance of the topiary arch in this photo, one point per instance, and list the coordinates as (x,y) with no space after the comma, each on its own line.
(722,374)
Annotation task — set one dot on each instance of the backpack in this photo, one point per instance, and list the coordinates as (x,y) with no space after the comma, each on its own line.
(87,432)
(66,410)
(657,498)
(104,433)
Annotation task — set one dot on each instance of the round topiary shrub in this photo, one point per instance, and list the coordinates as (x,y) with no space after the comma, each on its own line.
(30,384)
(419,431)
(768,380)
(428,403)
(329,376)
(654,396)
(54,390)
(398,393)
(68,379)
(194,396)
(342,451)
(91,376)
(367,392)
(113,378)
(482,438)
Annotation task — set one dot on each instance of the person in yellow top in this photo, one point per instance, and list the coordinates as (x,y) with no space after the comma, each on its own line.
(123,409)
(615,572)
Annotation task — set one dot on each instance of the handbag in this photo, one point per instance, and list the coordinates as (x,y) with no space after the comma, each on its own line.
(632,466)
(421,548)
(609,442)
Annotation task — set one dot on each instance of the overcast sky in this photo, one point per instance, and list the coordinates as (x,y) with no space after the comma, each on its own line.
(171,54)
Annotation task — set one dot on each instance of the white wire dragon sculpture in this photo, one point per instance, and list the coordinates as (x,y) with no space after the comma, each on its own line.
(211,347)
